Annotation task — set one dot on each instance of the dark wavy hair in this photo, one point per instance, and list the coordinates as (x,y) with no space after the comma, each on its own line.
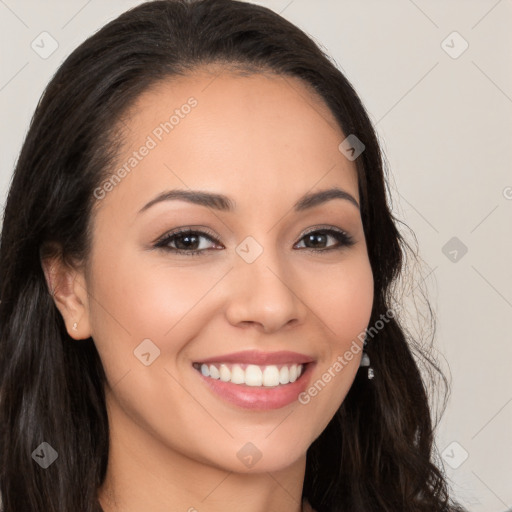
(378,451)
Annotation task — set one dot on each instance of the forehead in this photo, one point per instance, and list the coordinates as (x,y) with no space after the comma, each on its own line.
(264,134)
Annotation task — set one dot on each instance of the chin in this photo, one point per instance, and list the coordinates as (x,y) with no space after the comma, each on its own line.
(265,456)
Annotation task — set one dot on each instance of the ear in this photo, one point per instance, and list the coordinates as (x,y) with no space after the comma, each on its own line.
(68,288)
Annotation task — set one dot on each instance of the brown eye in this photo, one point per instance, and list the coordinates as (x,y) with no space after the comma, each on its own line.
(318,240)
(187,241)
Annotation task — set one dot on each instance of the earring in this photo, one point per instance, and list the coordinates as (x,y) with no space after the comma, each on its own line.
(75,326)
(365,361)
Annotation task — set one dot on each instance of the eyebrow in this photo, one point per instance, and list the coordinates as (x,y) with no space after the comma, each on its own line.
(223,203)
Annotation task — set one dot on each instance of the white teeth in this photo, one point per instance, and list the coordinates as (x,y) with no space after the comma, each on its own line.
(293,373)
(253,375)
(214,372)
(237,374)
(270,376)
(225,373)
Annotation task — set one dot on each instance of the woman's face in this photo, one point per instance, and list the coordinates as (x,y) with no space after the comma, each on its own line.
(262,296)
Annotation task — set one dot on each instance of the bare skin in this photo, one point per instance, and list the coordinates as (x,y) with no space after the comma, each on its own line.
(264,141)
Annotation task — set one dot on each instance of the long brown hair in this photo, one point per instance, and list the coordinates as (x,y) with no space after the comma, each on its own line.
(377,452)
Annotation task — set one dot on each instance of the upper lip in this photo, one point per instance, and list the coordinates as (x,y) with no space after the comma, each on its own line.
(260,358)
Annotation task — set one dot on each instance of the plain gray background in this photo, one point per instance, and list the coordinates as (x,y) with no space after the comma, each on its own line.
(443,113)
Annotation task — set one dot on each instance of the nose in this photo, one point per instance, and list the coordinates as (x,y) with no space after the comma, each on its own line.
(265,294)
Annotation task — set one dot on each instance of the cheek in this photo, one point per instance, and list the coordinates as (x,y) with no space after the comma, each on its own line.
(344,300)
(133,301)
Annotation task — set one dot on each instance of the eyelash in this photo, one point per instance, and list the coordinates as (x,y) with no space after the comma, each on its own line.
(343,239)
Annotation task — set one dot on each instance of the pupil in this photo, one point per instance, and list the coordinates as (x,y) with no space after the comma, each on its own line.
(187,239)
(315,237)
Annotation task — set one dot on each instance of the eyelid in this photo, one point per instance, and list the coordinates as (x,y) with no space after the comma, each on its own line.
(323,227)
(202,230)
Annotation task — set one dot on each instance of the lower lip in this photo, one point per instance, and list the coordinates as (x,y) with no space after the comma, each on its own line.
(259,397)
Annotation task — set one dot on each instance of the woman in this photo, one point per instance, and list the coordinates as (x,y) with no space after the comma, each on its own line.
(196,267)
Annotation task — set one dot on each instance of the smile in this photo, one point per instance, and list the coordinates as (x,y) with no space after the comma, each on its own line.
(256,380)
